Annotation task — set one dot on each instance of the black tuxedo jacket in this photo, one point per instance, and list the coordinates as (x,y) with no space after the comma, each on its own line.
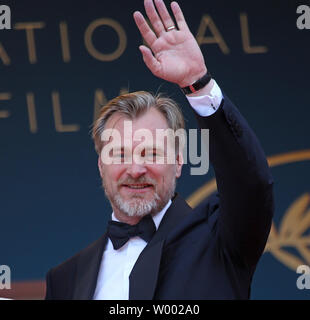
(209,252)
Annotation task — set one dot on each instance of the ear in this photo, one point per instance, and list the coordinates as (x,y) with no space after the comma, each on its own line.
(179,164)
(100,166)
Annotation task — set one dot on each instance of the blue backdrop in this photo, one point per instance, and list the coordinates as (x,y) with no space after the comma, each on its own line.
(62,59)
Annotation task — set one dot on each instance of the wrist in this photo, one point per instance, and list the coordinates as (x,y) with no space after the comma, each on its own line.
(201,83)
(189,80)
(205,91)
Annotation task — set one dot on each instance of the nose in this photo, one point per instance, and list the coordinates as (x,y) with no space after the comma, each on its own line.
(136,170)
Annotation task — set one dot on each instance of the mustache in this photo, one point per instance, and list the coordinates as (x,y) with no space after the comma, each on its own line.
(141,180)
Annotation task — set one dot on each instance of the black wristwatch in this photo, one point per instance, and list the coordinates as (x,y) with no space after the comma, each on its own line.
(199,84)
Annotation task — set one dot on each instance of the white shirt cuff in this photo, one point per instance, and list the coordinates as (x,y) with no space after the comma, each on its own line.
(208,104)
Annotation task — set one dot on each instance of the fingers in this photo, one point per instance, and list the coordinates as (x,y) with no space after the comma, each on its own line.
(161,22)
(150,60)
(154,17)
(164,14)
(178,14)
(145,30)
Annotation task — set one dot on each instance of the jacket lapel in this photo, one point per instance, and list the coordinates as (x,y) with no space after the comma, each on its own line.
(87,269)
(143,277)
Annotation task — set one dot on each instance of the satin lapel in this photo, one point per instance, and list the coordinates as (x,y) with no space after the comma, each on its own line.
(87,270)
(143,277)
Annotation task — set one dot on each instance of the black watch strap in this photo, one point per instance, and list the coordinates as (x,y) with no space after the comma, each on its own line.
(199,84)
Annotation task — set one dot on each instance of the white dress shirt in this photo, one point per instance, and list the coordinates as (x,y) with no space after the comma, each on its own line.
(206,105)
(116,265)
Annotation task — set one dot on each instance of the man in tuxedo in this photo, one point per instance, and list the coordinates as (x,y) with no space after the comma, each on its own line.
(156,246)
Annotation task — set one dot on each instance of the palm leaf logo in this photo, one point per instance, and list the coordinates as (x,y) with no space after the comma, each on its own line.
(291,233)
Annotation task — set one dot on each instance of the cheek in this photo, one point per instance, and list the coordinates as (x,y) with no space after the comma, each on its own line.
(163,174)
(112,173)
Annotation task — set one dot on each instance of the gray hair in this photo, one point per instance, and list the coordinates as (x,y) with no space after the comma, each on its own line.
(133,105)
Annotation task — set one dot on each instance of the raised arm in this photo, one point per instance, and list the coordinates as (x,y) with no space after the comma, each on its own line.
(243,177)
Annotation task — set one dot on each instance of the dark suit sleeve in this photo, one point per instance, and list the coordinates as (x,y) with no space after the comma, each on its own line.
(244,184)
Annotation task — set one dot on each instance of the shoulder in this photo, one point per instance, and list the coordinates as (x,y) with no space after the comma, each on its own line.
(209,206)
(70,264)
(61,278)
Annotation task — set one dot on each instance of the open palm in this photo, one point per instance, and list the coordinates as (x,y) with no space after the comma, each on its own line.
(172,55)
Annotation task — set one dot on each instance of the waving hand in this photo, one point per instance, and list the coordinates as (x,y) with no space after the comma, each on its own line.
(173,53)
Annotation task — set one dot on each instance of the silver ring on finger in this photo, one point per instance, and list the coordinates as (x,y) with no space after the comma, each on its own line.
(171,28)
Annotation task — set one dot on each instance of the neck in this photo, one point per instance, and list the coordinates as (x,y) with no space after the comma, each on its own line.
(126,219)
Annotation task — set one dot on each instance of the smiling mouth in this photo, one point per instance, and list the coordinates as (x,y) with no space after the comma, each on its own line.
(137,186)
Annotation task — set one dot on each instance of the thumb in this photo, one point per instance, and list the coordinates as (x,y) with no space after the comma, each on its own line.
(150,60)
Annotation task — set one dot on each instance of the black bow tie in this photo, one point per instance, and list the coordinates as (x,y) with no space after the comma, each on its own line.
(120,232)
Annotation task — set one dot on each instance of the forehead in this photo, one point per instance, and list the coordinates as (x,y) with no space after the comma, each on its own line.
(151,120)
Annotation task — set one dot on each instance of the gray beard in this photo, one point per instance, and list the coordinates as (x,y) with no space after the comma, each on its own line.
(137,206)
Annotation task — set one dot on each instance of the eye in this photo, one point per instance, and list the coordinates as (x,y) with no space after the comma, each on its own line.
(115,153)
(118,156)
(150,153)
